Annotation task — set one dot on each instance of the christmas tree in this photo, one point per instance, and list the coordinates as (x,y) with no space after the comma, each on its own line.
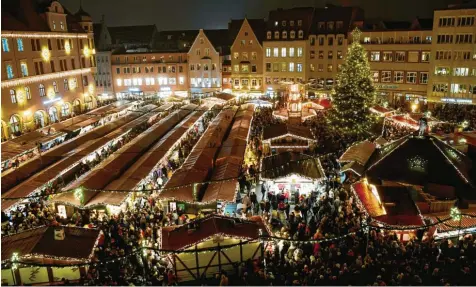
(353,94)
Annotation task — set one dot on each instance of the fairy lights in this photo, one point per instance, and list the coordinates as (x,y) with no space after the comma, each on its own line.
(7,34)
(67,47)
(417,163)
(79,195)
(41,78)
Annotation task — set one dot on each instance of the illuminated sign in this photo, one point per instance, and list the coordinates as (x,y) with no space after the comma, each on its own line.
(51,101)
(386,86)
(458,101)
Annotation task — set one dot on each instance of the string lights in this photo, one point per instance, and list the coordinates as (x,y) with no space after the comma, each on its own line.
(41,78)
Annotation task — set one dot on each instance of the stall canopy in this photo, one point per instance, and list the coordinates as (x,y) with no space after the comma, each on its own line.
(382,111)
(356,157)
(113,167)
(229,160)
(281,165)
(177,238)
(199,164)
(260,103)
(282,130)
(35,244)
(392,205)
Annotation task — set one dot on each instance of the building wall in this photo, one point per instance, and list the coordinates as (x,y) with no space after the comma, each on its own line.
(247,61)
(56,63)
(103,76)
(204,66)
(400,63)
(150,73)
(453,62)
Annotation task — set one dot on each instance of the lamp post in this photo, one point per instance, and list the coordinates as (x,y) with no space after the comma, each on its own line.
(14,262)
(455,214)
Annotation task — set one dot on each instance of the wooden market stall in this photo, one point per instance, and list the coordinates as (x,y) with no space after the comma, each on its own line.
(282,137)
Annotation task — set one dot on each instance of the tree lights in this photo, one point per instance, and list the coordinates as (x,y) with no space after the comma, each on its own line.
(354,93)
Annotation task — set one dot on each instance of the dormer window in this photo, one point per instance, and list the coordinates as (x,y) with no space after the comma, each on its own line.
(299,22)
(54,25)
(276,35)
(61,25)
(285,35)
(300,34)
(330,25)
(321,25)
(268,35)
(291,23)
(283,23)
(293,35)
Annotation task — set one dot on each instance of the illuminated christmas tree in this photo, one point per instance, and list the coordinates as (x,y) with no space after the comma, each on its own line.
(354,93)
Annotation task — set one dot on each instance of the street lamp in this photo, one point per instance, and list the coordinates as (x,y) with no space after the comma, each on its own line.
(455,214)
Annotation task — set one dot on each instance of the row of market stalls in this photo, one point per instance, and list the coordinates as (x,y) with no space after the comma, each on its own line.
(92,183)
(29,145)
(409,180)
(407,120)
(13,177)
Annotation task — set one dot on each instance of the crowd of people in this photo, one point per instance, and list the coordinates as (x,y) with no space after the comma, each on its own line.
(456,114)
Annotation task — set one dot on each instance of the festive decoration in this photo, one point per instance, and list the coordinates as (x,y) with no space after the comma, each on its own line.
(455,214)
(45,54)
(14,260)
(417,163)
(354,93)
(42,78)
(48,35)
(79,195)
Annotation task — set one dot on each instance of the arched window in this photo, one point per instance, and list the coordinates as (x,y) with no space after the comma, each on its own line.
(42,90)
(13,96)
(15,124)
(285,35)
(40,120)
(55,87)
(293,34)
(65,111)
(53,113)
(66,84)
(27,93)
(276,35)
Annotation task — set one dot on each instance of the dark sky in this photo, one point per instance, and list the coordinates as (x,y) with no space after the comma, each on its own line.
(214,14)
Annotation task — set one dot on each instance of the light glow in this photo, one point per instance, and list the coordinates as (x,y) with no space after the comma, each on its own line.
(6,34)
(41,78)
(45,54)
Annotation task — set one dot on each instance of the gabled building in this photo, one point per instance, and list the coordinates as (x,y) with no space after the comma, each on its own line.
(103,75)
(140,38)
(205,61)
(285,47)
(247,56)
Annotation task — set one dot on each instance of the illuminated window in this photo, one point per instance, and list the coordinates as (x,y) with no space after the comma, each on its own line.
(275,52)
(291,67)
(27,93)
(291,52)
(10,71)
(299,67)
(283,52)
(24,69)
(119,82)
(375,56)
(386,76)
(299,52)
(423,78)
(398,77)
(20,44)
(411,77)
(268,52)
(375,76)
(41,88)
(55,87)
(5,46)
(13,96)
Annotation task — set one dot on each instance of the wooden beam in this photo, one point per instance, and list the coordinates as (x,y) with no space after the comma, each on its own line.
(256,251)
(241,250)
(188,269)
(228,258)
(196,261)
(208,265)
(219,257)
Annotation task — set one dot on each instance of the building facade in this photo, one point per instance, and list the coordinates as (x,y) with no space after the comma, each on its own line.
(103,75)
(285,47)
(399,56)
(150,74)
(247,57)
(453,61)
(46,74)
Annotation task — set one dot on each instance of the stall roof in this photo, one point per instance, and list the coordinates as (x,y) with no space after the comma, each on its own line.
(199,163)
(78,244)
(396,206)
(279,130)
(176,238)
(112,167)
(225,96)
(359,152)
(288,163)
(451,225)
(15,147)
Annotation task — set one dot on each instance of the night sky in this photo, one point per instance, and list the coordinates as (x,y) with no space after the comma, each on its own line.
(215,14)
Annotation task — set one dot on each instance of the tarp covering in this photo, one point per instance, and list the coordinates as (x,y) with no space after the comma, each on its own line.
(199,163)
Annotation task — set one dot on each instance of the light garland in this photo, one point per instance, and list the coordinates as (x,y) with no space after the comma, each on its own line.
(7,34)
(41,78)
(417,163)
(454,166)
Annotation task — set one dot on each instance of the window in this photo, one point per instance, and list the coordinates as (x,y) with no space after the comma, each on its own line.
(268,52)
(283,67)
(192,67)
(207,51)
(339,55)
(172,81)
(5,46)
(283,52)
(411,77)
(254,55)
(440,88)
(41,88)
(375,56)
(312,54)
(73,65)
(268,67)
(464,38)
(197,52)
(299,67)
(180,69)
(320,68)
(61,25)
(236,55)
(330,26)
(340,41)
(293,34)
(444,39)
(466,21)
(311,67)
(276,35)
(283,23)
(285,35)
(244,68)
(330,41)
(275,52)
(441,71)
(49,45)
(425,57)
(398,77)
(253,68)
(181,80)
(300,34)
(299,52)
(291,52)
(118,71)
(24,69)
(291,67)
(399,56)
(423,78)
(254,83)
(13,96)
(386,76)
(85,81)
(413,57)
(10,74)
(387,56)
(330,55)
(236,68)
(321,55)
(375,76)
(20,44)
(52,65)
(443,55)
(244,82)
(461,72)
(27,93)
(329,67)
(299,22)
(66,85)
(321,41)
(446,21)
(275,67)
(366,40)
(65,110)
(268,35)
(459,88)
(55,87)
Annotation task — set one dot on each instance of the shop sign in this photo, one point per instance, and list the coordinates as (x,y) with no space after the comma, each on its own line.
(386,86)
(457,101)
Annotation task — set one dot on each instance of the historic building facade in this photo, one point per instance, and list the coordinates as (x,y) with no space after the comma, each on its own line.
(46,74)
